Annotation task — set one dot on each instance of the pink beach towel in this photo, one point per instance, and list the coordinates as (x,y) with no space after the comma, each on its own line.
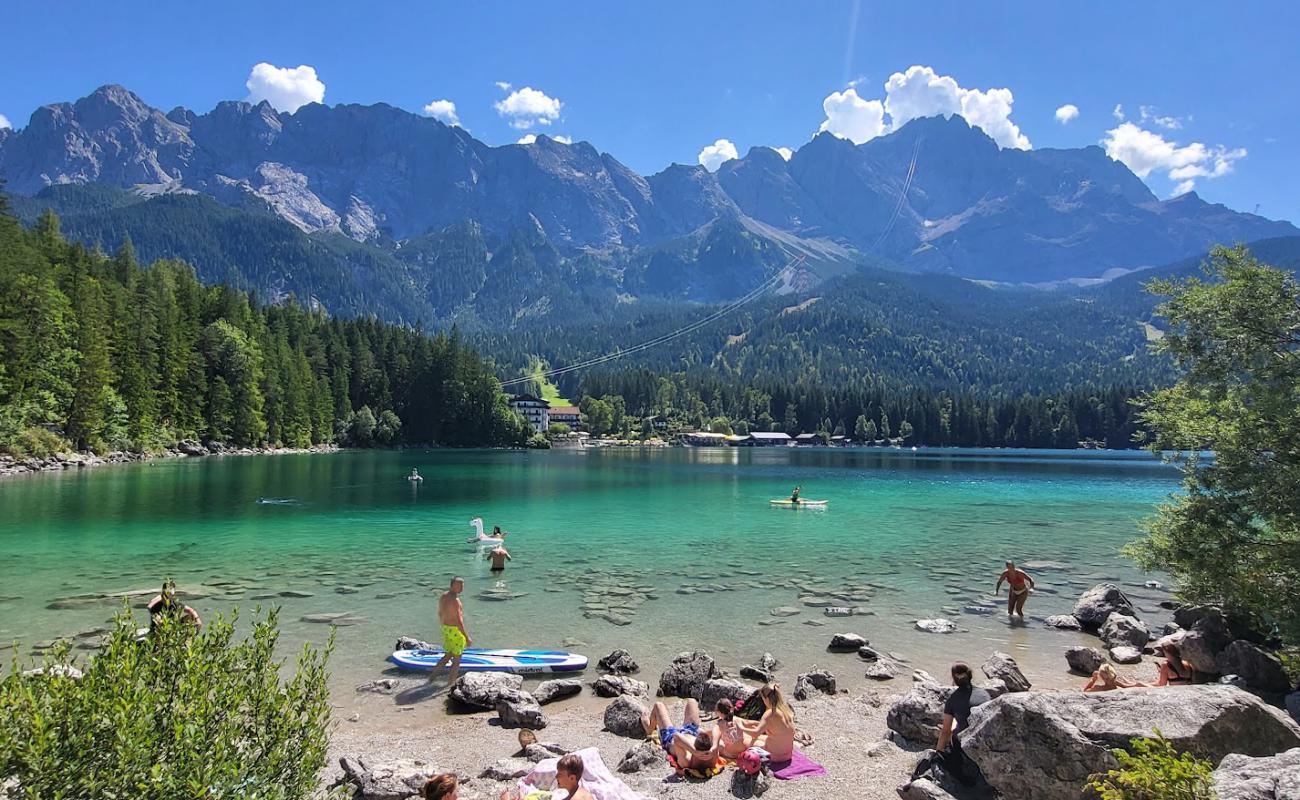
(799,766)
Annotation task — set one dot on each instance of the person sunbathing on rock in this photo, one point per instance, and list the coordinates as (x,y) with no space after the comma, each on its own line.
(1174,671)
(1105,679)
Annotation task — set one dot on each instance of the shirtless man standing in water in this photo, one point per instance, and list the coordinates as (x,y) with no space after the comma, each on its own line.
(1019,584)
(454,636)
(499,555)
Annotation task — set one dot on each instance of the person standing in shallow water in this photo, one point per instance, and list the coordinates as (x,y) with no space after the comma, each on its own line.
(451,614)
(1020,584)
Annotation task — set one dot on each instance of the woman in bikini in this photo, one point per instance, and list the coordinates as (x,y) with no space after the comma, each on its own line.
(775,731)
(728,734)
(1105,679)
(1020,584)
(1174,671)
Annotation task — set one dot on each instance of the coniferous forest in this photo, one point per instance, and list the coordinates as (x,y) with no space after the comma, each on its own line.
(101,353)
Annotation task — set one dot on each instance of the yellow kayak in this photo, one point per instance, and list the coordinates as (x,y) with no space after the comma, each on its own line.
(793,504)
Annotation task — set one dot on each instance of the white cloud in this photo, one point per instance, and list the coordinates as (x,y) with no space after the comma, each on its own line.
(785,152)
(1149,114)
(563,139)
(527,138)
(921,92)
(1145,151)
(850,117)
(4,122)
(1118,112)
(504,85)
(1066,113)
(527,107)
(715,154)
(443,111)
(1183,188)
(285,88)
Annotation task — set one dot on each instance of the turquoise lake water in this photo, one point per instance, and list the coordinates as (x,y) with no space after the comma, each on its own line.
(654,550)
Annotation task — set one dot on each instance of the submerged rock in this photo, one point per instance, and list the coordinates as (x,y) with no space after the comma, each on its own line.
(938,625)
(619,662)
(847,641)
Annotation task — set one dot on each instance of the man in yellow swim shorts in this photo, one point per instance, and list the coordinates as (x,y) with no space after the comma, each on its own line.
(454,636)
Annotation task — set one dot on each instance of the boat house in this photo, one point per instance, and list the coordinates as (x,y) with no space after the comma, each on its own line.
(769,439)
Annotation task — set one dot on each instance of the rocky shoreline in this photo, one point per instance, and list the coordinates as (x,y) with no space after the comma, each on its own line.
(189,448)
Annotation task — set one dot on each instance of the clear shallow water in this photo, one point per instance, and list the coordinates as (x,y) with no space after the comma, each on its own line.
(679,544)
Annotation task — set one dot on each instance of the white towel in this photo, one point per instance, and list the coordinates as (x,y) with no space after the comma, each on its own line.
(596,778)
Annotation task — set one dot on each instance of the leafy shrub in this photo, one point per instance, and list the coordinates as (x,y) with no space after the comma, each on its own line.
(538,442)
(180,714)
(33,442)
(1155,771)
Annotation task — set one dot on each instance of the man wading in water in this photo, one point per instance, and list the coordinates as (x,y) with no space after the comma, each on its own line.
(454,636)
(1020,585)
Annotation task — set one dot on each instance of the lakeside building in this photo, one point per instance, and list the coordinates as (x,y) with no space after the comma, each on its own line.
(808,440)
(534,409)
(565,414)
(704,439)
(769,439)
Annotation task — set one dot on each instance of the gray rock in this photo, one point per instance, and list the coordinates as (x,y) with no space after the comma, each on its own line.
(718,688)
(1125,654)
(846,641)
(615,685)
(917,715)
(1122,629)
(646,754)
(754,673)
(1186,616)
(881,749)
(1293,705)
(394,780)
(1084,660)
(482,689)
(550,691)
(744,785)
(938,625)
(1170,629)
(519,709)
(995,687)
(923,789)
(508,769)
(768,662)
(624,717)
(619,662)
(411,643)
(1001,666)
(883,669)
(1204,640)
(811,682)
(1044,745)
(1096,605)
(1260,668)
(538,752)
(686,676)
(1241,777)
(53,671)
(1065,622)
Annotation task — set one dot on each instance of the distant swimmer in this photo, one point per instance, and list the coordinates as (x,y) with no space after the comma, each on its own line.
(499,556)
(794,496)
(1020,584)
(415,475)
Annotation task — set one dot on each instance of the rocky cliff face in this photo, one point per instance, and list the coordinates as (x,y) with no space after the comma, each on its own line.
(937,195)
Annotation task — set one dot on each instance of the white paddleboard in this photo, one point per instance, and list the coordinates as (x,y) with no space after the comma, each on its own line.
(483,660)
(792,504)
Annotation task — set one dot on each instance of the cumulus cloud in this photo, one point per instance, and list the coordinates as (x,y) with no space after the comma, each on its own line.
(285,88)
(527,107)
(530,138)
(850,117)
(4,122)
(1149,114)
(921,92)
(1118,112)
(715,154)
(1066,113)
(1145,152)
(563,139)
(443,111)
(785,152)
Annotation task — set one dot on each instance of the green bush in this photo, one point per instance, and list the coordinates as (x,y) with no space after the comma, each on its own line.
(538,442)
(34,442)
(1155,771)
(178,715)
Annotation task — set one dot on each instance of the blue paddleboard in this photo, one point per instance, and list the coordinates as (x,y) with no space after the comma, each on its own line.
(483,660)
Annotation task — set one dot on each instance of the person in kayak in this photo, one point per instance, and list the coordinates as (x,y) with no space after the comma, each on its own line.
(794,496)
(1020,584)
(166,605)
(499,555)
(451,614)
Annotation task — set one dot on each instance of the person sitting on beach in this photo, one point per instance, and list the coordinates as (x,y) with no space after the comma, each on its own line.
(775,731)
(166,605)
(1020,584)
(690,747)
(728,733)
(1174,671)
(451,614)
(1105,679)
(445,786)
(499,555)
(956,716)
(568,772)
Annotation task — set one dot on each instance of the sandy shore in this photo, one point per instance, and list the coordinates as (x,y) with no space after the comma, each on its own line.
(850,736)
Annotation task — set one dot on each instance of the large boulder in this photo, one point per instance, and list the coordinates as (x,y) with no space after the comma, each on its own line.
(686,676)
(1001,666)
(1125,654)
(811,683)
(550,691)
(1276,777)
(846,641)
(1045,745)
(615,685)
(1122,629)
(624,717)
(1096,605)
(718,688)
(619,662)
(519,709)
(483,689)
(917,715)
(1260,668)
(1084,660)
(393,780)
(1202,643)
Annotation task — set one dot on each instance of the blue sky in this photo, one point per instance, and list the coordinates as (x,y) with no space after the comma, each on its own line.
(655,83)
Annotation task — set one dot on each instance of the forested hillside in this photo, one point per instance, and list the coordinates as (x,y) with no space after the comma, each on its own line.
(101,353)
